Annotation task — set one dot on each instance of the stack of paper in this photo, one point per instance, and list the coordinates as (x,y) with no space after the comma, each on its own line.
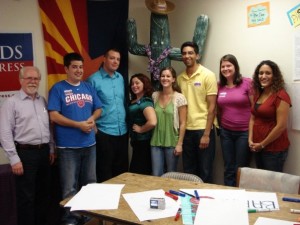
(96,197)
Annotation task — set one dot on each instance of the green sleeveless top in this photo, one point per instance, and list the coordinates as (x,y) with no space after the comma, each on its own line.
(164,134)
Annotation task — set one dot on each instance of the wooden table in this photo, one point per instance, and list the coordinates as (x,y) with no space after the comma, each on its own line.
(137,183)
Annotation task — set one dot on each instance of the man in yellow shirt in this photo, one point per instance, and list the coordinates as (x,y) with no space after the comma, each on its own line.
(199,86)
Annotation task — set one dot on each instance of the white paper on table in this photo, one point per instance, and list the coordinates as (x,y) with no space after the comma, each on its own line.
(262,200)
(96,197)
(140,204)
(221,211)
(268,221)
(255,200)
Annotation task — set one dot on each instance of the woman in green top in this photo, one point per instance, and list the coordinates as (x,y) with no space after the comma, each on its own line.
(171,109)
(142,120)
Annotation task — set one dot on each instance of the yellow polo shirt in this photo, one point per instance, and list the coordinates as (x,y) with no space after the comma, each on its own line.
(195,88)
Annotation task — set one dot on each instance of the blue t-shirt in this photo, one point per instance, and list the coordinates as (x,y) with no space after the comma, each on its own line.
(111,91)
(76,103)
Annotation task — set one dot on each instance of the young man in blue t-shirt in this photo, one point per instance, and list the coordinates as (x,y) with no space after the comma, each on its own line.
(74,106)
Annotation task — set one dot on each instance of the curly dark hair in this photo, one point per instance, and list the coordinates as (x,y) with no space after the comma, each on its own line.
(237,75)
(175,86)
(148,89)
(278,81)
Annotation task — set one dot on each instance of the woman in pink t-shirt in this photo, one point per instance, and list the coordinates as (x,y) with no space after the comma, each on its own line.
(268,136)
(234,110)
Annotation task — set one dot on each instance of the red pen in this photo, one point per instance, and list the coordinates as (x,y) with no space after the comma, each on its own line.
(177,214)
(206,197)
(171,196)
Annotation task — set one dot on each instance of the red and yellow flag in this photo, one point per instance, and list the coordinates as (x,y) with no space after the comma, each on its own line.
(65,30)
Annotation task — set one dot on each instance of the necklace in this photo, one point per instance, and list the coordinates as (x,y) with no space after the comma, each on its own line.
(164,100)
(162,26)
(263,97)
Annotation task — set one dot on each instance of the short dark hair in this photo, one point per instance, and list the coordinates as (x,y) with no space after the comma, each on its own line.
(111,49)
(237,75)
(69,57)
(190,44)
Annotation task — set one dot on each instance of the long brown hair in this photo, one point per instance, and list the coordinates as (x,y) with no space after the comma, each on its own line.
(237,75)
(148,89)
(175,86)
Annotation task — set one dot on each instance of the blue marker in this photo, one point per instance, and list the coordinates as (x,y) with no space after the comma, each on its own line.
(193,196)
(196,194)
(290,199)
(177,193)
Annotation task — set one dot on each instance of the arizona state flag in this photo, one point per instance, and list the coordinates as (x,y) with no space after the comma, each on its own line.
(88,27)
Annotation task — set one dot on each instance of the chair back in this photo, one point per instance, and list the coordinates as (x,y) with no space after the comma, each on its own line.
(182,176)
(266,180)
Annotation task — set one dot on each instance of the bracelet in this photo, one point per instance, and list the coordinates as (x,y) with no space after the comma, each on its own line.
(262,147)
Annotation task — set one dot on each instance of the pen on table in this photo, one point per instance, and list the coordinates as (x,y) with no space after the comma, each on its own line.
(287,199)
(171,196)
(200,196)
(259,210)
(177,193)
(196,194)
(295,210)
(187,194)
(177,214)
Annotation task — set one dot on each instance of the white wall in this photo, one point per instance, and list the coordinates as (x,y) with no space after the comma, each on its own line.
(22,16)
(228,33)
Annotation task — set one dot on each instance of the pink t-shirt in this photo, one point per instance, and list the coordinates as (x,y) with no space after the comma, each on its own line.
(234,106)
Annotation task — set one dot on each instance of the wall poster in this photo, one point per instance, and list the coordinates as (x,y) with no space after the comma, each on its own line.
(16,51)
(258,14)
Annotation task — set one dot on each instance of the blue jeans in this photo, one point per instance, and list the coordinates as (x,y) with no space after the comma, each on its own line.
(77,168)
(159,156)
(236,153)
(195,160)
(271,160)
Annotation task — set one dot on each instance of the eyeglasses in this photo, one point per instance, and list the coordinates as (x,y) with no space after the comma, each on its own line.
(31,78)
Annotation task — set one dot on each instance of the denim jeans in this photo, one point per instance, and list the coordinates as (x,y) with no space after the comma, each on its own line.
(271,160)
(77,168)
(195,160)
(236,153)
(159,156)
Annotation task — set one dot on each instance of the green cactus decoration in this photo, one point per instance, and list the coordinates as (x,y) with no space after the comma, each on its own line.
(159,51)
